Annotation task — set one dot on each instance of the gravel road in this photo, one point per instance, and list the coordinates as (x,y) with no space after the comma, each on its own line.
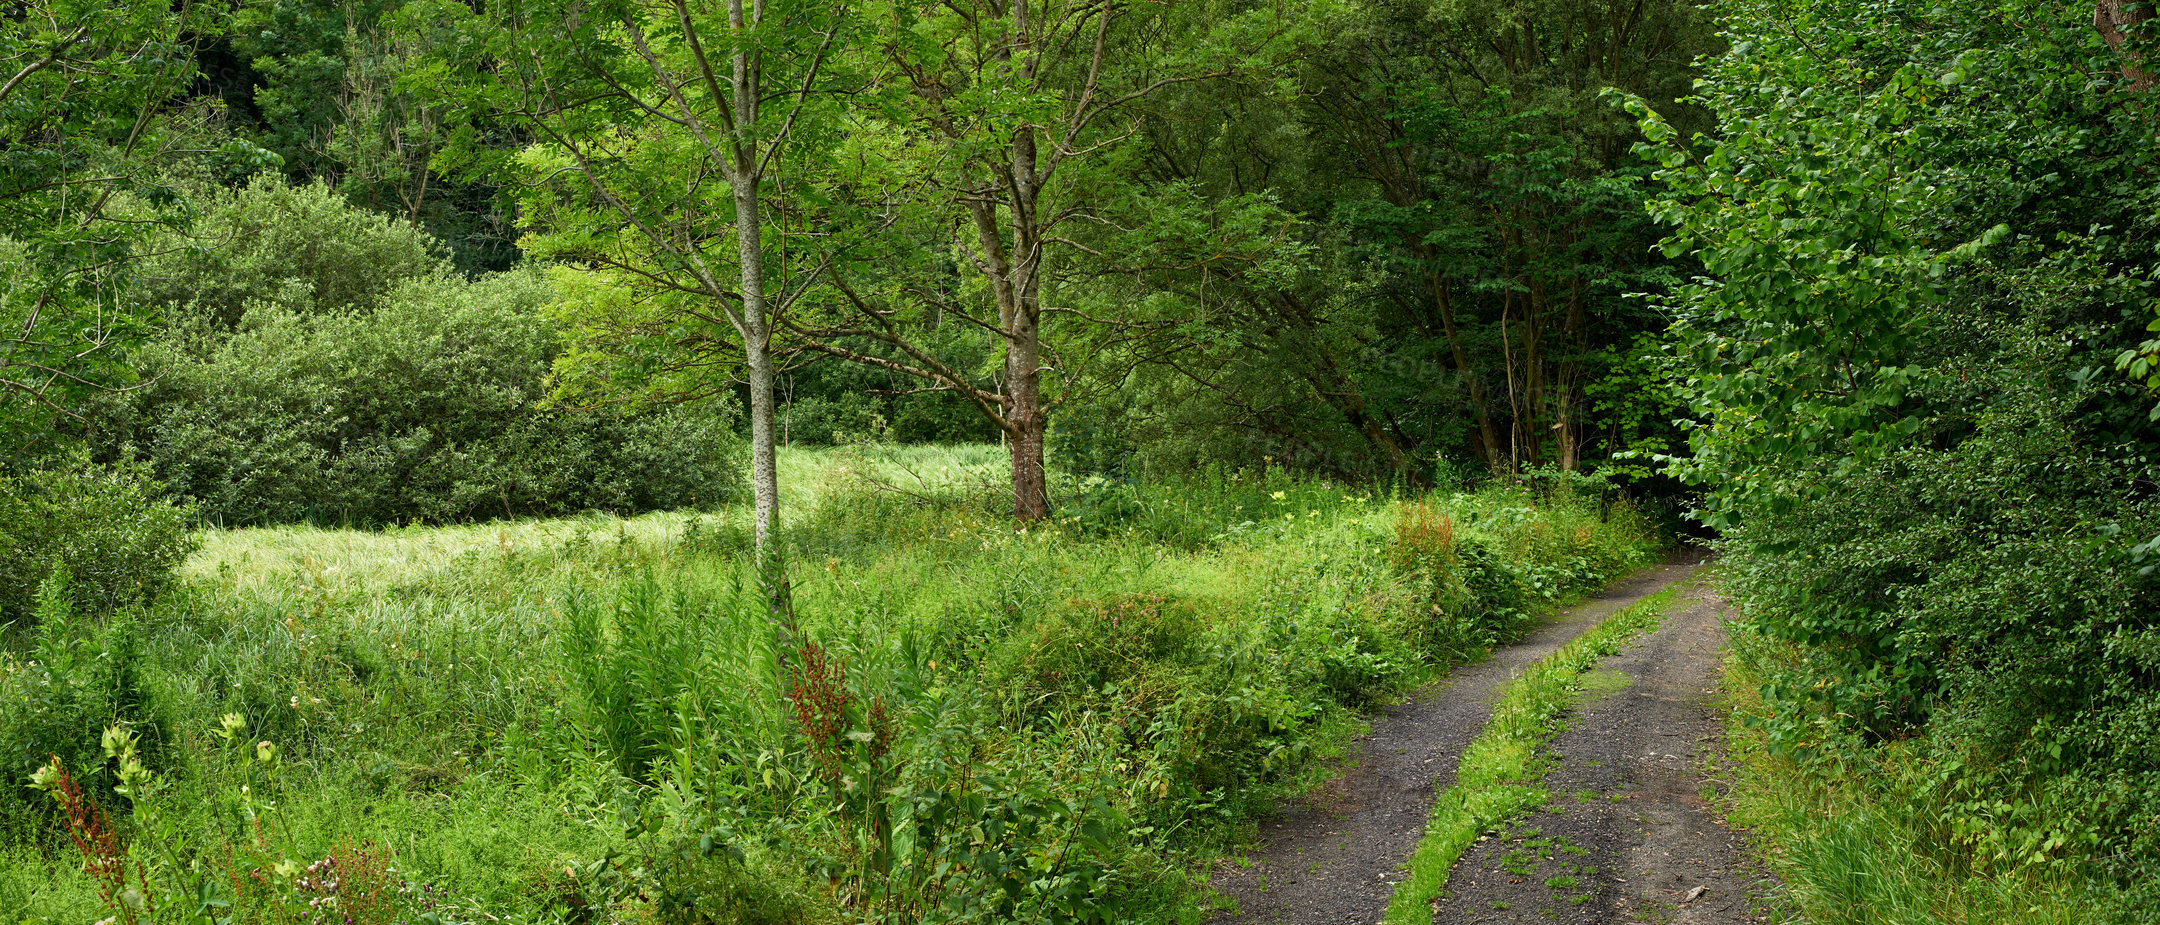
(1334,855)
(1630,834)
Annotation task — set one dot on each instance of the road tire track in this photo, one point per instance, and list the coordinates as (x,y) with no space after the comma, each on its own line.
(1334,855)
(1631,833)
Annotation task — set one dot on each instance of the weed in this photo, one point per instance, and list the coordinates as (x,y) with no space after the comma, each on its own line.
(122,885)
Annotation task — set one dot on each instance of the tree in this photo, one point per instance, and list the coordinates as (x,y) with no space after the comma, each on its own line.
(1470,218)
(1007,145)
(1502,194)
(1926,230)
(86,116)
(655,133)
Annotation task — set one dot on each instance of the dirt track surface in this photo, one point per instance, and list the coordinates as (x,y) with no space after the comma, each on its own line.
(1335,855)
(1628,835)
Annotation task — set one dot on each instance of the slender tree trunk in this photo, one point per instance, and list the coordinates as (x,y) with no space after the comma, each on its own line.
(1488,436)
(743,173)
(1031,482)
(1537,400)
(1026,415)
(764,464)
(757,353)
(1015,281)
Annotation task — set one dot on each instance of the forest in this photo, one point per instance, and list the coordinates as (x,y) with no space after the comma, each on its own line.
(701,461)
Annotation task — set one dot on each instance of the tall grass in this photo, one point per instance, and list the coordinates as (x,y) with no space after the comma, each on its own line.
(1856,834)
(594,719)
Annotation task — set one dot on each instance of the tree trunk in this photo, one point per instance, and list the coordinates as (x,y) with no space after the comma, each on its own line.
(1025,416)
(1488,437)
(743,173)
(764,459)
(1030,479)
(2113,19)
(757,354)
(756,332)
(1016,282)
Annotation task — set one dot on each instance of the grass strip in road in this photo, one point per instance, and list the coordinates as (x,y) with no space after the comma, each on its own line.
(1501,772)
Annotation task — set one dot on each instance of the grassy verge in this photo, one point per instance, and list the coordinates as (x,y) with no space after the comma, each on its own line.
(1861,835)
(1499,777)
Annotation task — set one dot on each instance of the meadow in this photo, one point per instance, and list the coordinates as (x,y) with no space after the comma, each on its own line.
(594,719)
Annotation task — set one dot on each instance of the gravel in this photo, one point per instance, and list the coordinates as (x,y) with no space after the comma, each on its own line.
(1335,854)
(1632,832)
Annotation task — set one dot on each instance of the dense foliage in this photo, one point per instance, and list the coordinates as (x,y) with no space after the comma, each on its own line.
(1930,233)
(98,537)
(322,365)
(381,263)
(93,105)
(1391,241)
(1442,230)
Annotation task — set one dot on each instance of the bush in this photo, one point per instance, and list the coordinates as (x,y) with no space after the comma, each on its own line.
(307,394)
(107,528)
(1088,645)
(845,419)
(272,244)
(1967,591)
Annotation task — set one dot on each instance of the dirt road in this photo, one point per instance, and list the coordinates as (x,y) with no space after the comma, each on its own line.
(1335,855)
(1630,834)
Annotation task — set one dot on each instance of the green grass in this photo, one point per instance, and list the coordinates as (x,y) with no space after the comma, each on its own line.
(526,715)
(1499,776)
(1856,835)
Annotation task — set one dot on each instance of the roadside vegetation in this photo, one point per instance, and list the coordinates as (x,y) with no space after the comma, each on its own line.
(382,385)
(1921,362)
(597,719)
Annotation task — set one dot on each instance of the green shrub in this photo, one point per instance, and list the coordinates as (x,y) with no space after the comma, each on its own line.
(842,419)
(319,363)
(271,244)
(106,527)
(1087,645)
(694,884)
(428,406)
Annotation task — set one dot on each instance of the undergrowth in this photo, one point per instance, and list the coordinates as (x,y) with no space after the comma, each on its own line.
(1859,833)
(594,720)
